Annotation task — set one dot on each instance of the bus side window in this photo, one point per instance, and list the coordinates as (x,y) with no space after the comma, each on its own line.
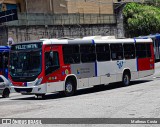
(103,52)
(148,48)
(129,51)
(71,54)
(51,62)
(116,51)
(88,53)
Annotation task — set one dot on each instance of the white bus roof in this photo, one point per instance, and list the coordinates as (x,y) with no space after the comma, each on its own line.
(99,37)
(94,41)
(102,40)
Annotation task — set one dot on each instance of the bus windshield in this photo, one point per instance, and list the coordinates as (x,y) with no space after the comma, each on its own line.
(25,63)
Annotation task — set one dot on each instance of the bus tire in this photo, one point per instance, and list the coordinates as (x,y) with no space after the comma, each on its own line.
(126,79)
(69,88)
(6,93)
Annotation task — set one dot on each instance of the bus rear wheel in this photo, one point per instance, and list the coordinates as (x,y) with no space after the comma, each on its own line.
(126,79)
(69,88)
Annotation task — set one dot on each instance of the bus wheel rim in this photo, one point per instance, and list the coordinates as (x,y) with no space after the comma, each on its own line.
(69,87)
(126,79)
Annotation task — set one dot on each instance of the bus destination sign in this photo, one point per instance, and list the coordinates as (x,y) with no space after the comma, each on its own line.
(26,46)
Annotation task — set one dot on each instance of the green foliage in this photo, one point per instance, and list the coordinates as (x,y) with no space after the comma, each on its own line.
(141,19)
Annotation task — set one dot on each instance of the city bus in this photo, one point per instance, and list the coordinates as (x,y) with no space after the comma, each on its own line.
(4,55)
(67,65)
(156,44)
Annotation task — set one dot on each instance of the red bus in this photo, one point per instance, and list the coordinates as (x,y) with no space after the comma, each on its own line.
(53,65)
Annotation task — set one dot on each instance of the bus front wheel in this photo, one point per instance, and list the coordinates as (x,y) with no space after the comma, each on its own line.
(69,88)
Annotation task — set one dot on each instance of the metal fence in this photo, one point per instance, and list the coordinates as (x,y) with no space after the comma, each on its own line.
(32,19)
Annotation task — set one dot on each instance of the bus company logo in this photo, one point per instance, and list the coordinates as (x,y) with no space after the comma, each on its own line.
(66,71)
(78,72)
(120,64)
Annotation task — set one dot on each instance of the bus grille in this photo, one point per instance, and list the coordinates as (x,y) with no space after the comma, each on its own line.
(27,90)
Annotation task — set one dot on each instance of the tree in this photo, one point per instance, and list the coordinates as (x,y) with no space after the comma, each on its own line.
(141,19)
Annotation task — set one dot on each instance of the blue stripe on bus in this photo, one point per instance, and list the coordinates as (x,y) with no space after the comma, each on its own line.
(134,40)
(96,69)
(6,73)
(137,63)
(4,50)
(4,47)
(93,42)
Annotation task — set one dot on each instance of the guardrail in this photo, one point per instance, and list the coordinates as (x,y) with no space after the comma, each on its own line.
(61,19)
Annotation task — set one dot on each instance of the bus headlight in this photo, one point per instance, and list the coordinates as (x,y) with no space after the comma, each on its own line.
(38,82)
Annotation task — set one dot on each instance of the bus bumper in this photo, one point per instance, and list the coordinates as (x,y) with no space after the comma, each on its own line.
(41,89)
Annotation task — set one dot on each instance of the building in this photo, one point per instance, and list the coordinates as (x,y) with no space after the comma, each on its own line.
(58,18)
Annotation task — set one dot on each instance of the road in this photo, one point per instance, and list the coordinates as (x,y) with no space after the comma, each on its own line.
(139,100)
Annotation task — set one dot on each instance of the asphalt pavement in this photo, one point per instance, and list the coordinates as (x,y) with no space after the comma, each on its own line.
(139,100)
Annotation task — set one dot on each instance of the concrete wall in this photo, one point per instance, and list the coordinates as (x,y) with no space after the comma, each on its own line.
(33,33)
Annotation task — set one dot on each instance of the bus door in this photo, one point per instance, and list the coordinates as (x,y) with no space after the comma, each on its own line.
(117,59)
(106,68)
(53,72)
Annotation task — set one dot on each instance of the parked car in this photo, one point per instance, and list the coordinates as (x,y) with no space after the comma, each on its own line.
(4,87)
